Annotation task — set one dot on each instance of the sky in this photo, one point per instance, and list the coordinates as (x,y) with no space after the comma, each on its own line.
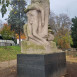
(68,7)
(64,6)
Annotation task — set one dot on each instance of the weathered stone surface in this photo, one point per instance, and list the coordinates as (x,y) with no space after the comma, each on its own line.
(36,30)
(38,15)
(29,47)
(50,37)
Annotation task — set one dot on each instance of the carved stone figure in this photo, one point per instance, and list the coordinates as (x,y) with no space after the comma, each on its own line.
(38,14)
(36,29)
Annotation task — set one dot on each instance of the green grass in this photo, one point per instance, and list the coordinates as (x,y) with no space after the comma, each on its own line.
(9,53)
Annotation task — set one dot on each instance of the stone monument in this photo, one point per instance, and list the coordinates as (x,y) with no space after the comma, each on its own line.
(40,57)
(36,30)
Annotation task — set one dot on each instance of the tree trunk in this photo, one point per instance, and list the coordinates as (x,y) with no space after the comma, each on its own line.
(19,37)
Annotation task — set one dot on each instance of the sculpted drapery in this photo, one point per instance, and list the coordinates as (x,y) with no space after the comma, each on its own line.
(36,30)
(38,15)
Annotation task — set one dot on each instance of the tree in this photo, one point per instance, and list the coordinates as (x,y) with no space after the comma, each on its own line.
(52,21)
(59,22)
(61,25)
(63,40)
(74,31)
(5,4)
(17,17)
(6,32)
(1,24)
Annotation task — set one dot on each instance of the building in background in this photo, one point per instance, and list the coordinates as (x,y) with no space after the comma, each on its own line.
(23,37)
(6,42)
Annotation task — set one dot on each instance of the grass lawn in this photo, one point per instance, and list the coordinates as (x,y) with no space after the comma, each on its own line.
(9,53)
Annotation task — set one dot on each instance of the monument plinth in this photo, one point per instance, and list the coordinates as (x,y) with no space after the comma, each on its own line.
(38,65)
(40,57)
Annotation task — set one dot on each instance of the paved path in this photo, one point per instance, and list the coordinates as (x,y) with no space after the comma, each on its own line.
(7,64)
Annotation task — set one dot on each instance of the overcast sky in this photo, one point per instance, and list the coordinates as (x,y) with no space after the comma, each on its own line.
(64,6)
(60,6)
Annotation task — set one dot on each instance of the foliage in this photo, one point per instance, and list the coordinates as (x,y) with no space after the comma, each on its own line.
(5,4)
(61,21)
(50,30)
(74,31)
(1,25)
(9,52)
(60,25)
(17,17)
(63,40)
(22,36)
(6,32)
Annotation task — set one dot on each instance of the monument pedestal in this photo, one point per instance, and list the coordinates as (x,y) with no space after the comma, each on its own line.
(41,65)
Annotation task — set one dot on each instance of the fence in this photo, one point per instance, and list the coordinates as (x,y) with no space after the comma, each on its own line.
(6,43)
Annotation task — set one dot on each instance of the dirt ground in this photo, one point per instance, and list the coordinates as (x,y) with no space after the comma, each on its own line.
(8,72)
(8,68)
(71,66)
(71,69)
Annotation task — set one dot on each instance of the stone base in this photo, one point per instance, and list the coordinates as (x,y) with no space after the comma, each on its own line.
(48,65)
(29,47)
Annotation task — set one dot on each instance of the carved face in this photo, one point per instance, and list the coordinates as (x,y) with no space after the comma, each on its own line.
(32,16)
